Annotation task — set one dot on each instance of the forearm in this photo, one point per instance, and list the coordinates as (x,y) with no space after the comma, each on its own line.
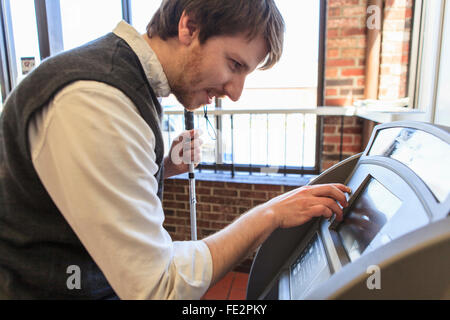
(291,209)
(232,244)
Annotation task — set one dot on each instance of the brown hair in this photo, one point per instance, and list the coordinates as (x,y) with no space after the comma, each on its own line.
(224,17)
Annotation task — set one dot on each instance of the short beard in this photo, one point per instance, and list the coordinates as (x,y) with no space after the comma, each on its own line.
(188,77)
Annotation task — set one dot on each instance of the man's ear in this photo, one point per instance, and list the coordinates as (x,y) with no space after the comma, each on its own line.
(187,29)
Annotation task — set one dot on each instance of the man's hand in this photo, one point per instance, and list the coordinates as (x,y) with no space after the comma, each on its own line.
(185,149)
(238,240)
(300,205)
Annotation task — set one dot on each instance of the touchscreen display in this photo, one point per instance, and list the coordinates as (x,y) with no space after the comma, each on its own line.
(367,215)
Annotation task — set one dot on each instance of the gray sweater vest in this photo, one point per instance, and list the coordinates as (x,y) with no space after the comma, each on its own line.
(37,246)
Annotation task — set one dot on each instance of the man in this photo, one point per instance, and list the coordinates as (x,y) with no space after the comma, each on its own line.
(82,159)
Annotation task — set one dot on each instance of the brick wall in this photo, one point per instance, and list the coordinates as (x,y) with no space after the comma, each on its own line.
(219,203)
(344,76)
(395,49)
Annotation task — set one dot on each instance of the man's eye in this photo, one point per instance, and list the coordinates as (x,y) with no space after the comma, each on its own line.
(235,65)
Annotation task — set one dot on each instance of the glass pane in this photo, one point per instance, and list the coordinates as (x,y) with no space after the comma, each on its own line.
(86,20)
(24,27)
(442,116)
(370,212)
(292,81)
(421,152)
(142,12)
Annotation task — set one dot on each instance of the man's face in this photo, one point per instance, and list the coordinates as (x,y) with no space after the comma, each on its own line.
(216,68)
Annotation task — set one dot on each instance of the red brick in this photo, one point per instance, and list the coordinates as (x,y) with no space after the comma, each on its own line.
(204,191)
(353,53)
(332,120)
(339,102)
(225,193)
(351,149)
(336,139)
(217,216)
(353,32)
(175,221)
(174,189)
(218,225)
(203,207)
(330,129)
(353,72)
(182,197)
(333,53)
(340,3)
(340,62)
(331,92)
(253,195)
(353,130)
(331,72)
(238,186)
(347,42)
(329,148)
(332,33)
(203,224)
(225,209)
(334,12)
(239,202)
(267,187)
(211,184)
(174,205)
(342,22)
(354,11)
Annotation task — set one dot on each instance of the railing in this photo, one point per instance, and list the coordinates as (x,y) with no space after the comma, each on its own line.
(266,141)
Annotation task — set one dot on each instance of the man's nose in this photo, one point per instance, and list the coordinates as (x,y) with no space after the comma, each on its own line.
(233,88)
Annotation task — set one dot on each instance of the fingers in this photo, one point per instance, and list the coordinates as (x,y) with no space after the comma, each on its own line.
(192,134)
(334,191)
(192,146)
(321,210)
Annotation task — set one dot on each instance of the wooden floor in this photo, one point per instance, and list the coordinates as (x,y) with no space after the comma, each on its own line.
(232,287)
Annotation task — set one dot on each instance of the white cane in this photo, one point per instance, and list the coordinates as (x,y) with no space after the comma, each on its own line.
(189,124)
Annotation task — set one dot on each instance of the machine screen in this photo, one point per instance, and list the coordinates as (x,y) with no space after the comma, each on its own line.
(368,214)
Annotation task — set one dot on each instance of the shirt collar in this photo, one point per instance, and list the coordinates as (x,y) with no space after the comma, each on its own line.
(149,61)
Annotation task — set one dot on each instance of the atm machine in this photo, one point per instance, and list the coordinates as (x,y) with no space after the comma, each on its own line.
(394,240)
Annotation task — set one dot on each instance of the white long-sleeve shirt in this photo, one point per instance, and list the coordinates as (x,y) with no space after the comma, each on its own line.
(95,156)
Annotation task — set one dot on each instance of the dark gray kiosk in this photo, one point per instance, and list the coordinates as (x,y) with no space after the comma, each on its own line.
(394,241)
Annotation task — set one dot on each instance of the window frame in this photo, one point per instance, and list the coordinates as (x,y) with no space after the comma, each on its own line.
(425,56)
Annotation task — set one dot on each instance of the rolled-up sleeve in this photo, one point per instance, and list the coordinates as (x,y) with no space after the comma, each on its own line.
(95,155)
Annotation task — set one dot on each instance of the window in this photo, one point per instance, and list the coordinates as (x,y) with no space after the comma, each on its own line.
(24,32)
(429,79)
(291,83)
(86,20)
(141,12)
(442,112)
